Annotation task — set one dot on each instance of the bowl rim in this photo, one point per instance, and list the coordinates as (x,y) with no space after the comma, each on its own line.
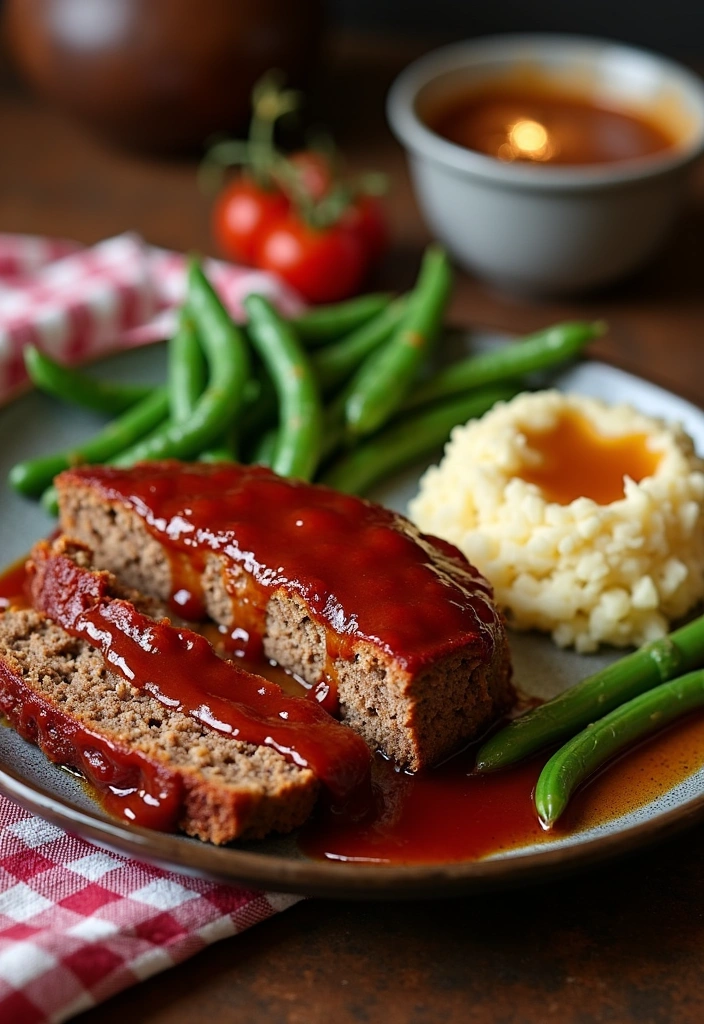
(417,137)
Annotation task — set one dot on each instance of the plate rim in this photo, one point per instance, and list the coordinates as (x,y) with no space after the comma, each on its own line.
(332,879)
(357,880)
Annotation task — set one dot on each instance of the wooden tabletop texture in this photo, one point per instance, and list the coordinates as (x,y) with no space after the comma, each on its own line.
(622,944)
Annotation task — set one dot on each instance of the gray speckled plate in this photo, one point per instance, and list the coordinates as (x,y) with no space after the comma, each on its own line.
(34,424)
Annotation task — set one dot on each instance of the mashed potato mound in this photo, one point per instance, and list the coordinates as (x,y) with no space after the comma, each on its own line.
(587,573)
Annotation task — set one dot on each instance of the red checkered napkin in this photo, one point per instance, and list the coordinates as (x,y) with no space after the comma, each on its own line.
(79,303)
(78,924)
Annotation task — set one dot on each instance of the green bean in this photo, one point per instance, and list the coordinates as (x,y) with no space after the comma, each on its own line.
(261,406)
(334,436)
(539,351)
(227,448)
(408,440)
(334,363)
(265,448)
(589,700)
(382,381)
(300,414)
(320,325)
(219,454)
(70,385)
(187,376)
(50,500)
(186,370)
(228,363)
(598,743)
(259,414)
(34,475)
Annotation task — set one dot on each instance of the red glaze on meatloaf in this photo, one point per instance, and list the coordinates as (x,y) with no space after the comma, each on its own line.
(345,593)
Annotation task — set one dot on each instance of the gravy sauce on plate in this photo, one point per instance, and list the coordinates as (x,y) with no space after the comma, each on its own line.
(448,814)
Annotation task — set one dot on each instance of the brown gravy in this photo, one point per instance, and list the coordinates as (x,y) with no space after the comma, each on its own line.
(449,814)
(538,123)
(577,461)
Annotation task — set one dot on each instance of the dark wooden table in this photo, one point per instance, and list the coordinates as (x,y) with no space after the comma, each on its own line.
(624,944)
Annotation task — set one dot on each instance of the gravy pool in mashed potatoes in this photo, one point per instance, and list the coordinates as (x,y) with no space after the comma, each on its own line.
(587,518)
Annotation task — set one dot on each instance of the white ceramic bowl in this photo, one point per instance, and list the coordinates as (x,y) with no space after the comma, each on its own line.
(549,229)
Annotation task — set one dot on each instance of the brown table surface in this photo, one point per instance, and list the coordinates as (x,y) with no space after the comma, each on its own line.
(622,944)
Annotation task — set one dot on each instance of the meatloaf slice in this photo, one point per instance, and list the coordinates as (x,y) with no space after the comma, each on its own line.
(182,671)
(342,592)
(57,692)
(151,762)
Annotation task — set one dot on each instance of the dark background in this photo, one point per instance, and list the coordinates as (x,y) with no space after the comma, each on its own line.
(676,27)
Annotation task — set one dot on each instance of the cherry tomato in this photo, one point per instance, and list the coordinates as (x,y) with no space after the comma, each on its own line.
(324,265)
(315,172)
(365,217)
(242,213)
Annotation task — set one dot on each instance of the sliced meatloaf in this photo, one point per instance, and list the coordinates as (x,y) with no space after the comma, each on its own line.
(344,593)
(57,692)
(148,712)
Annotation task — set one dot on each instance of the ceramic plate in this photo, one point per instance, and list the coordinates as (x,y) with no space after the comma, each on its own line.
(34,424)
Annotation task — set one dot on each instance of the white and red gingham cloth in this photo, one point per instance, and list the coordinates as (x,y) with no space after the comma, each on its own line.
(80,303)
(78,924)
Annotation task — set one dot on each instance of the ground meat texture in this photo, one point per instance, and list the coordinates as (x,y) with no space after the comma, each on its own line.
(417,718)
(229,789)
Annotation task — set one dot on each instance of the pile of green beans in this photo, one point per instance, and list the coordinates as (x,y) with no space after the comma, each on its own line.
(605,713)
(333,395)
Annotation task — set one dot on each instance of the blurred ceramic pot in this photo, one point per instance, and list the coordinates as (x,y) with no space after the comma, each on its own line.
(160,75)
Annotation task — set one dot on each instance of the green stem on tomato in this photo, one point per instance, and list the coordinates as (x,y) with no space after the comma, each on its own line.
(269,103)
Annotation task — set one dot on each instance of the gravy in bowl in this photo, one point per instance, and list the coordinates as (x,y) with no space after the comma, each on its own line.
(543,123)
